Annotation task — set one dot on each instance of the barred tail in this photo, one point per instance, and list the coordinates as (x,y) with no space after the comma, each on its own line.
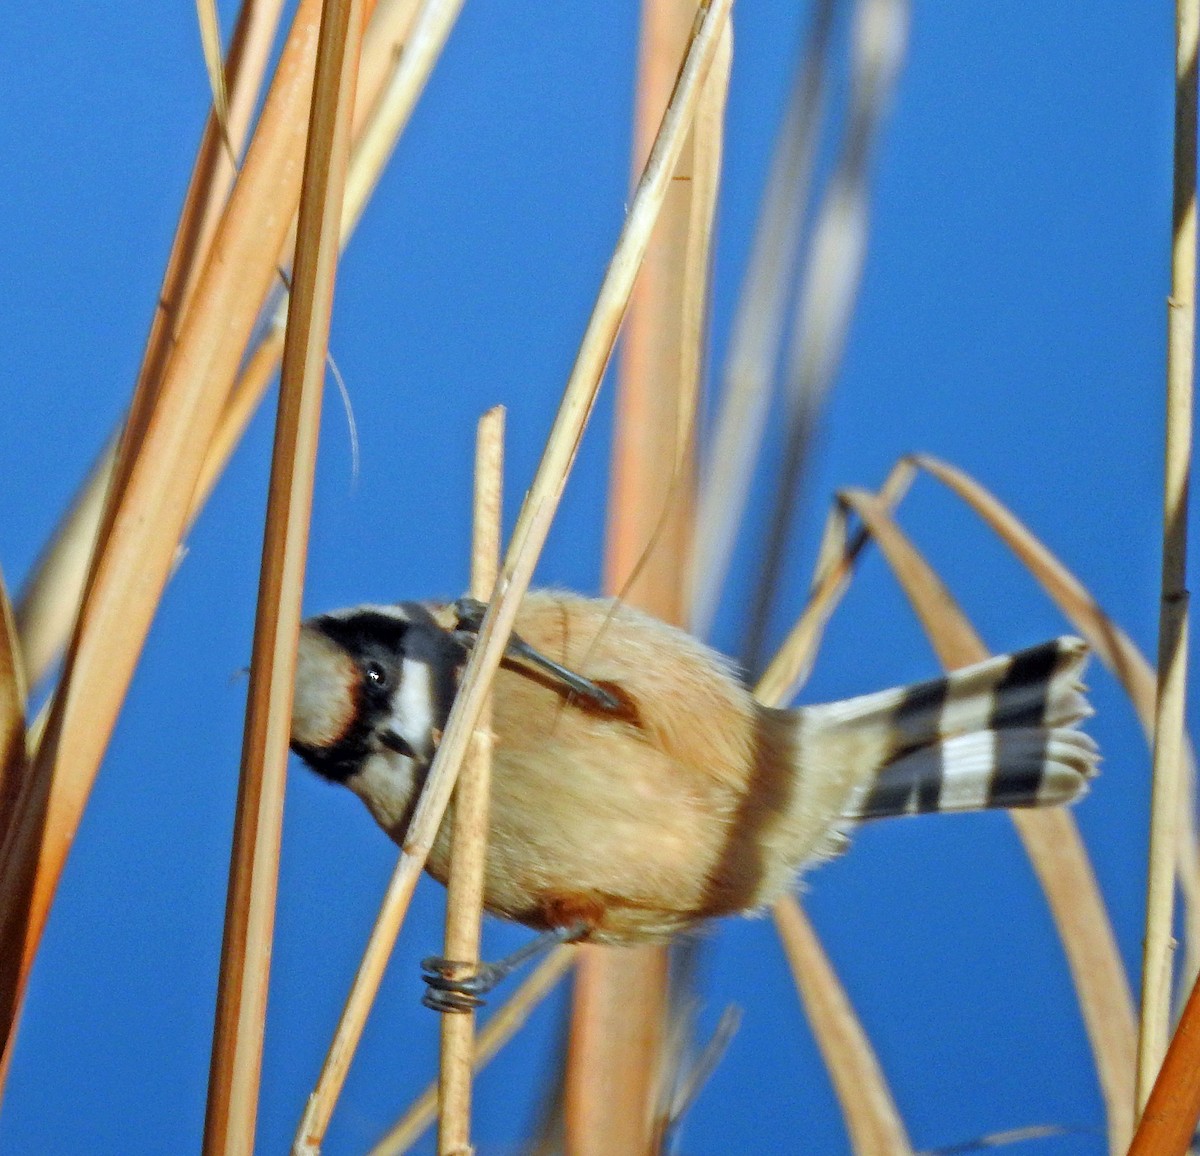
(1001,733)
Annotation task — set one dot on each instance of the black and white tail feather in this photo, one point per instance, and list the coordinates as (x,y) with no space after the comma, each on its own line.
(1001,733)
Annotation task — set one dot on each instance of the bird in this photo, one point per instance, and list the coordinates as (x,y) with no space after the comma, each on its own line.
(638,789)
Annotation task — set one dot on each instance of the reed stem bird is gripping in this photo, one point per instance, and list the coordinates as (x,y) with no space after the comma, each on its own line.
(638,789)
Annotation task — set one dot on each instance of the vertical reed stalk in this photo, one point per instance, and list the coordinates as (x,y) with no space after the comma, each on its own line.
(533,524)
(1173,617)
(250,910)
(615,1053)
(464,889)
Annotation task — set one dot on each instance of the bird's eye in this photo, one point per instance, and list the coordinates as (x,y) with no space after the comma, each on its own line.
(376,675)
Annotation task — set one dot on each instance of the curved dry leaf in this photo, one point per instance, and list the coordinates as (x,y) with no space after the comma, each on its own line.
(872,1119)
(1114,648)
(793,661)
(1051,839)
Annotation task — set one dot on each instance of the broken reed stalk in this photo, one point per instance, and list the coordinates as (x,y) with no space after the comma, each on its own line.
(50,599)
(1173,615)
(504,1023)
(148,506)
(533,524)
(616,1052)
(464,888)
(254,872)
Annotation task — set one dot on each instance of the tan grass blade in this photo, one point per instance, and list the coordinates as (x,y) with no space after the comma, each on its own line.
(1111,644)
(792,663)
(214,64)
(872,1120)
(508,1019)
(758,326)
(1051,839)
(464,888)
(616,1060)
(1167,792)
(537,512)
(13,756)
(51,597)
(254,873)
(154,480)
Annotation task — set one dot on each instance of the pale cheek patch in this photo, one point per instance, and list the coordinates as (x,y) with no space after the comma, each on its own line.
(326,698)
(413,715)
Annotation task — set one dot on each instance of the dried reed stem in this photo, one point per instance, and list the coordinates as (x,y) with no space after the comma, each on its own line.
(154,479)
(464,889)
(1173,617)
(529,536)
(615,1058)
(50,599)
(254,872)
(872,1120)
(507,1020)
(793,661)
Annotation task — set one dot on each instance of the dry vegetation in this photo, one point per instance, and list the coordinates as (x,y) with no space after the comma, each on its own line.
(207,365)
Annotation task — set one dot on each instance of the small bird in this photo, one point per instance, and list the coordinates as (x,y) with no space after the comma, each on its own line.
(638,789)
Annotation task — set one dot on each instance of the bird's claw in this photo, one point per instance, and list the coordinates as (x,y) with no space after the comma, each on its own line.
(448,991)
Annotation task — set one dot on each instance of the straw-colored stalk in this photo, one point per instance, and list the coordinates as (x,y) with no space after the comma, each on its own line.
(507,1020)
(615,1058)
(154,480)
(533,524)
(464,889)
(254,872)
(1173,616)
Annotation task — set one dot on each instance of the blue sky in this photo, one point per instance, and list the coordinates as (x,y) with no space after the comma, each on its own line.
(1012,320)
